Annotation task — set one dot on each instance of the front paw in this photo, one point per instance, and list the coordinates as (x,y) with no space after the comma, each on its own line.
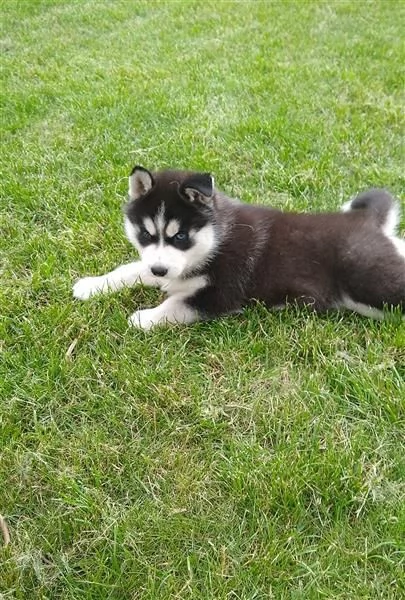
(87,287)
(144,319)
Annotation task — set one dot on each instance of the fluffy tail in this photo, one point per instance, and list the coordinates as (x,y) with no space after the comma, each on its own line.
(381,206)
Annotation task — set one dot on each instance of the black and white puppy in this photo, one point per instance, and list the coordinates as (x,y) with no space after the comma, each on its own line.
(212,255)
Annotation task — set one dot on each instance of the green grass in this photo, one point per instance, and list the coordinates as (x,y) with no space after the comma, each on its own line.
(255,457)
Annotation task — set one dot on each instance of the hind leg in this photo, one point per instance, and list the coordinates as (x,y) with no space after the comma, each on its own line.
(373,276)
(361,309)
(373,273)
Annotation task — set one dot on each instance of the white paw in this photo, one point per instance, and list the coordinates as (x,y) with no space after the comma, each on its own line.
(87,287)
(145,319)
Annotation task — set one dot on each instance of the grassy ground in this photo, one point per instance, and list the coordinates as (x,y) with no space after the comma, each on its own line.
(255,457)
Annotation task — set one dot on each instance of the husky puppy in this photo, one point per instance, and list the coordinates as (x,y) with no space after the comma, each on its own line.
(211,255)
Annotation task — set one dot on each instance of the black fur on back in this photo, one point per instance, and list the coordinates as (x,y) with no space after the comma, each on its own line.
(311,259)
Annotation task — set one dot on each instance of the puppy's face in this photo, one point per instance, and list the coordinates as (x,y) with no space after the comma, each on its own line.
(169,220)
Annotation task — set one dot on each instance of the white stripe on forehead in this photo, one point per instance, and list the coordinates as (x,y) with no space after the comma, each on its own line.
(149,226)
(160,220)
(172,228)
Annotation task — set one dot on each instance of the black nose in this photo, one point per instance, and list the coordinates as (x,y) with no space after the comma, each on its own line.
(158,270)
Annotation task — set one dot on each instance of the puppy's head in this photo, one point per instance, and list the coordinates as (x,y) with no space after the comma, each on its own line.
(169,218)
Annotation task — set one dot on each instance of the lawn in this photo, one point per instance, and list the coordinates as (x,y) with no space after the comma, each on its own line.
(255,457)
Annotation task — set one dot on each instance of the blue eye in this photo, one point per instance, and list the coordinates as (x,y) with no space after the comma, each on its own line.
(181,236)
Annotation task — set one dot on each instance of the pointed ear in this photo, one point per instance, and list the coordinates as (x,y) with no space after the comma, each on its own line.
(198,187)
(140,182)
